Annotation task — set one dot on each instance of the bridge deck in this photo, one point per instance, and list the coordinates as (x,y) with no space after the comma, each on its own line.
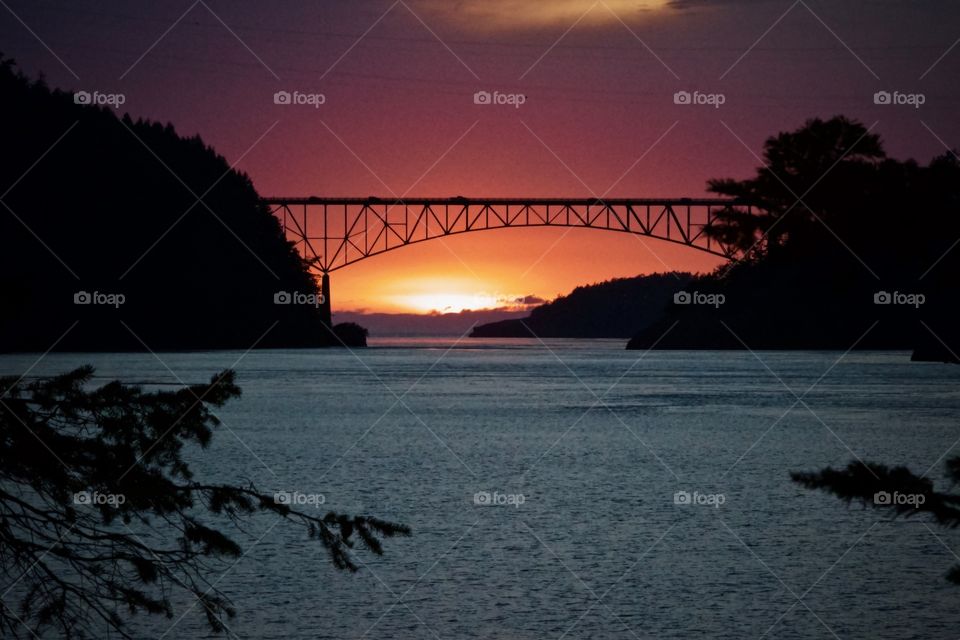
(333,233)
(573,202)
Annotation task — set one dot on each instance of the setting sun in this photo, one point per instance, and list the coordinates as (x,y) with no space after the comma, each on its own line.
(448,302)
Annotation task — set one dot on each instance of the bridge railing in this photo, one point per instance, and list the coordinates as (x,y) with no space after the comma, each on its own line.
(336,232)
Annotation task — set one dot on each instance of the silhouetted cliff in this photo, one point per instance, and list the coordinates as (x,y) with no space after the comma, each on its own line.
(124,235)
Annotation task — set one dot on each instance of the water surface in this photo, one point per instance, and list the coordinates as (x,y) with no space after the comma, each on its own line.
(595,442)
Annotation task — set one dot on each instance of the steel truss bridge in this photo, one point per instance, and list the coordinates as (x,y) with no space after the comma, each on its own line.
(333,233)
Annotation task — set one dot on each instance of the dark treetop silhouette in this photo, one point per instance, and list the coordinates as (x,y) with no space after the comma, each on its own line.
(111,206)
(873,484)
(837,222)
(614,309)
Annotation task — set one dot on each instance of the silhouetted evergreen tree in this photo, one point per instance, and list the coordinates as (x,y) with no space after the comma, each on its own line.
(834,222)
(879,486)
(76,570)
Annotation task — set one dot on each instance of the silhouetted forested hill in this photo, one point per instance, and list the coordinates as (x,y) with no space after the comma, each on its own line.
(100,207)
(612,309)
(848,248)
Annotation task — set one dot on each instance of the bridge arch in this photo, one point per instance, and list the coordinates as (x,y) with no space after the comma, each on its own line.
(334,233)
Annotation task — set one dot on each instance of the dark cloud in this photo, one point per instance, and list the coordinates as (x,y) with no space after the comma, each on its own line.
(529,300)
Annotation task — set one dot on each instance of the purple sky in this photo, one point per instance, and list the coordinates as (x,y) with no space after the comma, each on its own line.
(599,118)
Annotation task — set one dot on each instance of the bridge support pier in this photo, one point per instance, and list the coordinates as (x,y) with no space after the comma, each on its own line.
(326,314)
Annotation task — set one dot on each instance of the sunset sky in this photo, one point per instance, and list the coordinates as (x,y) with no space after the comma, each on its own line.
(599,119)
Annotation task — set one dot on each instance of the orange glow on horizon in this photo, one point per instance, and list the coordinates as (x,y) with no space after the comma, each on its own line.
(448,302)
(505,269)
(432,294)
